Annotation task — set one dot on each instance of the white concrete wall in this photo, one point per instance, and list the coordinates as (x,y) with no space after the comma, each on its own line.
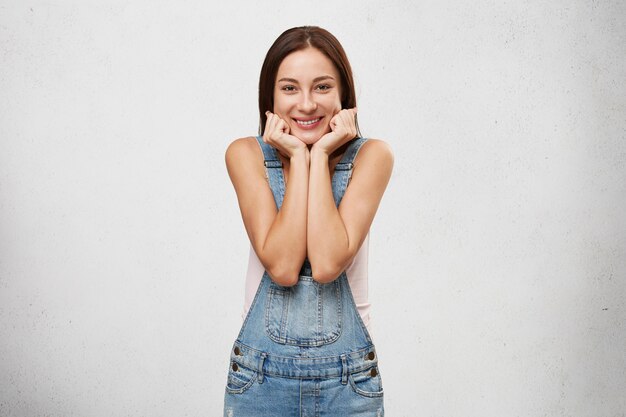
(497,257)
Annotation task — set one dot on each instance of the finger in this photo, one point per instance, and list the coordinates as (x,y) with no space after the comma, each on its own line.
(268,116)
(284,127)
(280,126)
(345,116)
(334,120)
(280,117)
(273,123)
(348,123)
(353,129)
(270,127)
(268,123)
(279,122)
(350,112)
(266,129)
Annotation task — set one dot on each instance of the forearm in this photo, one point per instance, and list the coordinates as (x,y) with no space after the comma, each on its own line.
(328,245)
(285,248)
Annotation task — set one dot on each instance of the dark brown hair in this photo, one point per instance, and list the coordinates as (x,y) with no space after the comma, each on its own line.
(296,39)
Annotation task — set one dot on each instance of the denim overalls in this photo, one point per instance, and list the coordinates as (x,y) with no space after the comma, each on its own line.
(303,351)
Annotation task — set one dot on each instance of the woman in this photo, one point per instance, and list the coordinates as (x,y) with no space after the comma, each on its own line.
(304,348)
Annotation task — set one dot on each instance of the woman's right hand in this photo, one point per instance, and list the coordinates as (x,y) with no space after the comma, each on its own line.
(277,135)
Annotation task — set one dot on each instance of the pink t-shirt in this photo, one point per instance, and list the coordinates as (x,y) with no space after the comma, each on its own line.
(356,273)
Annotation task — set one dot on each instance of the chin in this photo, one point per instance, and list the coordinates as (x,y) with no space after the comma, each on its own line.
(309,138)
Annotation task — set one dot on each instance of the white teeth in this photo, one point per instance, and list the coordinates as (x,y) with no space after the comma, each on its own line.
(308,122)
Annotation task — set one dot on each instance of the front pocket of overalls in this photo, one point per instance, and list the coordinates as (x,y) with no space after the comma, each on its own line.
(307,314)
(240,378)
(367,383)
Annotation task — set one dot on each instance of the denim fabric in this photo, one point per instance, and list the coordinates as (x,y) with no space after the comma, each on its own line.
(303,351)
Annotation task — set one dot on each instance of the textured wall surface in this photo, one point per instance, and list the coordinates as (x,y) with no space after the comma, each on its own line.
(497,259)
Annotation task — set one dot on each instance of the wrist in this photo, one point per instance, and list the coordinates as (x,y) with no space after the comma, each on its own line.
(300,154)
(317,152)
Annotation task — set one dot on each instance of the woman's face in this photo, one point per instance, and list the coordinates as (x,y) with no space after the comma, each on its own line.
(307,94)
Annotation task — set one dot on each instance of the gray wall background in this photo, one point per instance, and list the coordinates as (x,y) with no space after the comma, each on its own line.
(497,256)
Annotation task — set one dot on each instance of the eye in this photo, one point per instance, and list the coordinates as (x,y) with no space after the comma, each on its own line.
(288,88)
(324,87)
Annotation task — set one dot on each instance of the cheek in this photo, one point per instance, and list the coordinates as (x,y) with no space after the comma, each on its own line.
(333,104)
(338,102)
(282,103)
(277,104)
(279,99)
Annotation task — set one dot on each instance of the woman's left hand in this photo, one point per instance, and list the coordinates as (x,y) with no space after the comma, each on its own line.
(343,129)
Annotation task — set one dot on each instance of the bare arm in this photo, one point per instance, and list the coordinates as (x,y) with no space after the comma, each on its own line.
(278,237)
(334,235)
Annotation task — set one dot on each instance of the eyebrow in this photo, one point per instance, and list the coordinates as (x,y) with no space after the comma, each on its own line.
(315,80)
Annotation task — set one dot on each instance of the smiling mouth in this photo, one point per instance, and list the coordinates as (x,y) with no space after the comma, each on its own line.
(307,122)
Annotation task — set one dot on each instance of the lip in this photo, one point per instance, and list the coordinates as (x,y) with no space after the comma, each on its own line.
(308,126)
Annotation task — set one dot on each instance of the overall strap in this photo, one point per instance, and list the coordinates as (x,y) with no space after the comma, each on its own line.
(343,170)
(273,171)
(341,176)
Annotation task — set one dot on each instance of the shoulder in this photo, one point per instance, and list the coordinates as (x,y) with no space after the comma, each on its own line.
(378,146)
(376,151)
(244,155)
(243,151)
(242,146)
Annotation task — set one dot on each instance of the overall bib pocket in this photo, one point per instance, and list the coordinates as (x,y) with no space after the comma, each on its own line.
(240,378)
(367,383)
(307,314)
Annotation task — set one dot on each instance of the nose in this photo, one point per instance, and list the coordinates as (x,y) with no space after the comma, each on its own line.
(307,103)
